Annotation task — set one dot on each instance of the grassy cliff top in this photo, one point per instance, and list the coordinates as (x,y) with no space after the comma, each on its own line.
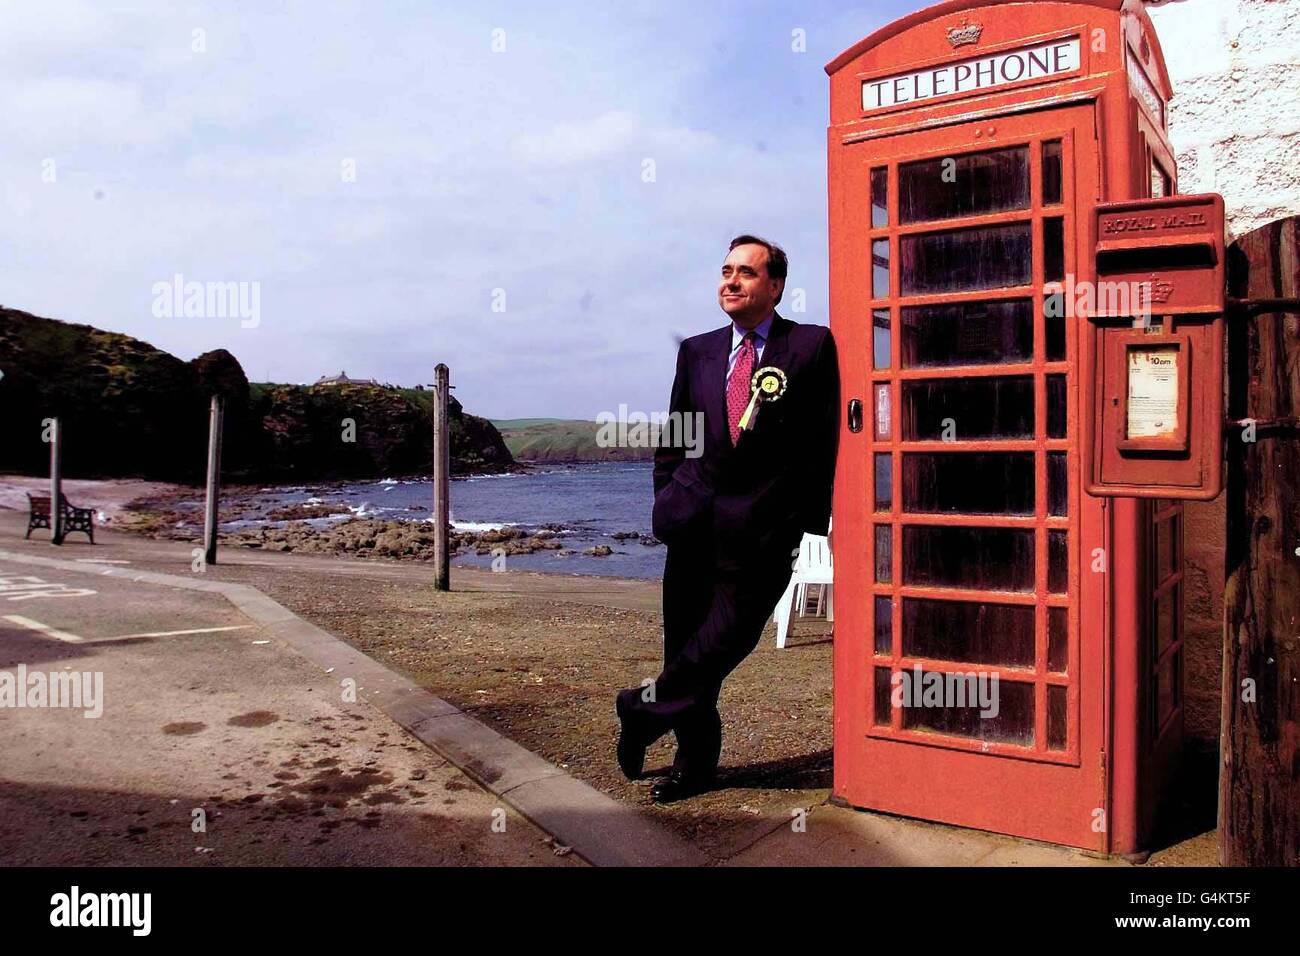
(561,439)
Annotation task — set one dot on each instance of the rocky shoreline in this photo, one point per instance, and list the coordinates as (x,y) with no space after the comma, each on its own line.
(367,537)
(178,517)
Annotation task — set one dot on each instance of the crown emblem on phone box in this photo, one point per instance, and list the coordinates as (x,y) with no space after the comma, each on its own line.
(965,33)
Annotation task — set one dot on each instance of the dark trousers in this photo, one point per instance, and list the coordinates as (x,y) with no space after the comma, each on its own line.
(714,613)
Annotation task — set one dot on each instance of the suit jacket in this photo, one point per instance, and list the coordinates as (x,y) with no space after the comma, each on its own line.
(756,499)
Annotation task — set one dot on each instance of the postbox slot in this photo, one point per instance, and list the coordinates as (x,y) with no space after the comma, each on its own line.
(1154,254)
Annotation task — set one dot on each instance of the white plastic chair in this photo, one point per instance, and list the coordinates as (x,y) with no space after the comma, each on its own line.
(813,566)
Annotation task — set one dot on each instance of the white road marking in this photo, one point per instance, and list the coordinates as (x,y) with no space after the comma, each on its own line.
(58,635)
(99,561)
(192,630)
(26,587)
(45,629)
(49,590)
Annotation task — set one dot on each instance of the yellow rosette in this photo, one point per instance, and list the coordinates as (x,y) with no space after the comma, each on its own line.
(767,385)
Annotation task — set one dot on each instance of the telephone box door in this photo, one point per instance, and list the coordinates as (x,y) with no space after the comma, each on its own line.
(959,502)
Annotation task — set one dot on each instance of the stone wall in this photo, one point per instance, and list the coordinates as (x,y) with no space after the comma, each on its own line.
(1235,115)
(1235,125)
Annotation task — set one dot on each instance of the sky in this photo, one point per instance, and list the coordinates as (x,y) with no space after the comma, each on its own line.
(538,195)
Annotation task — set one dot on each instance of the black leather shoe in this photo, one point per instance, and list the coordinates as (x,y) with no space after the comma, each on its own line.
(678,786)
(631,751)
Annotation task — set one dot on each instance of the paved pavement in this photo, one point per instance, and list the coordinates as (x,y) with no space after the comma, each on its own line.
(213,743)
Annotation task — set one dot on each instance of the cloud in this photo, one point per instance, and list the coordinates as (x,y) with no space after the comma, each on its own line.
(566,144)
(58,113)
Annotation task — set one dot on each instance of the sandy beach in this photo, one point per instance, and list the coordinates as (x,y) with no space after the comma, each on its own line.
(110,496)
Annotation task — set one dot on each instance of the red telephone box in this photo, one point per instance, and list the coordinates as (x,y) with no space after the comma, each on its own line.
(969,146)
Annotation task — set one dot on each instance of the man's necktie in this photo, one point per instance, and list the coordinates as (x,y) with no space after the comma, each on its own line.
(738,391)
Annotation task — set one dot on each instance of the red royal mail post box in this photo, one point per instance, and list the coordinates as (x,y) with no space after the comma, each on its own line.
(1008,650)
(1154,417)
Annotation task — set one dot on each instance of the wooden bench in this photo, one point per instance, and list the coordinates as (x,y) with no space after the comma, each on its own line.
(74,519)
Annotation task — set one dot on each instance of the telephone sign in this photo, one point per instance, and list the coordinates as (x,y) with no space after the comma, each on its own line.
(971,76)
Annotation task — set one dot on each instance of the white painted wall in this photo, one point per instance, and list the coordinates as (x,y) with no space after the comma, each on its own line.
(1235,125)
(1235,116)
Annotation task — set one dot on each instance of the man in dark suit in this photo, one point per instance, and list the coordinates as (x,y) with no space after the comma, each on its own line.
(732,517)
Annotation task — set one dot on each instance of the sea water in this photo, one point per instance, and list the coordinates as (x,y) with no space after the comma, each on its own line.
(586,504)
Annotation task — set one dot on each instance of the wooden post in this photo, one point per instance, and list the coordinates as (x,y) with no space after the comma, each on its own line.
(56,481)
(1259,789)
(215,416)
(441,479)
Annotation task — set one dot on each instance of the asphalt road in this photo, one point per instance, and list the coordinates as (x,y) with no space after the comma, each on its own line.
(210,743)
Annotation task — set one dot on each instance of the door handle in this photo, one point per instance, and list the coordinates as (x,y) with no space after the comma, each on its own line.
(855,415)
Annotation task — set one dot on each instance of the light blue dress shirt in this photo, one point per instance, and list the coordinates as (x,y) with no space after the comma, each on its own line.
(738,336)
